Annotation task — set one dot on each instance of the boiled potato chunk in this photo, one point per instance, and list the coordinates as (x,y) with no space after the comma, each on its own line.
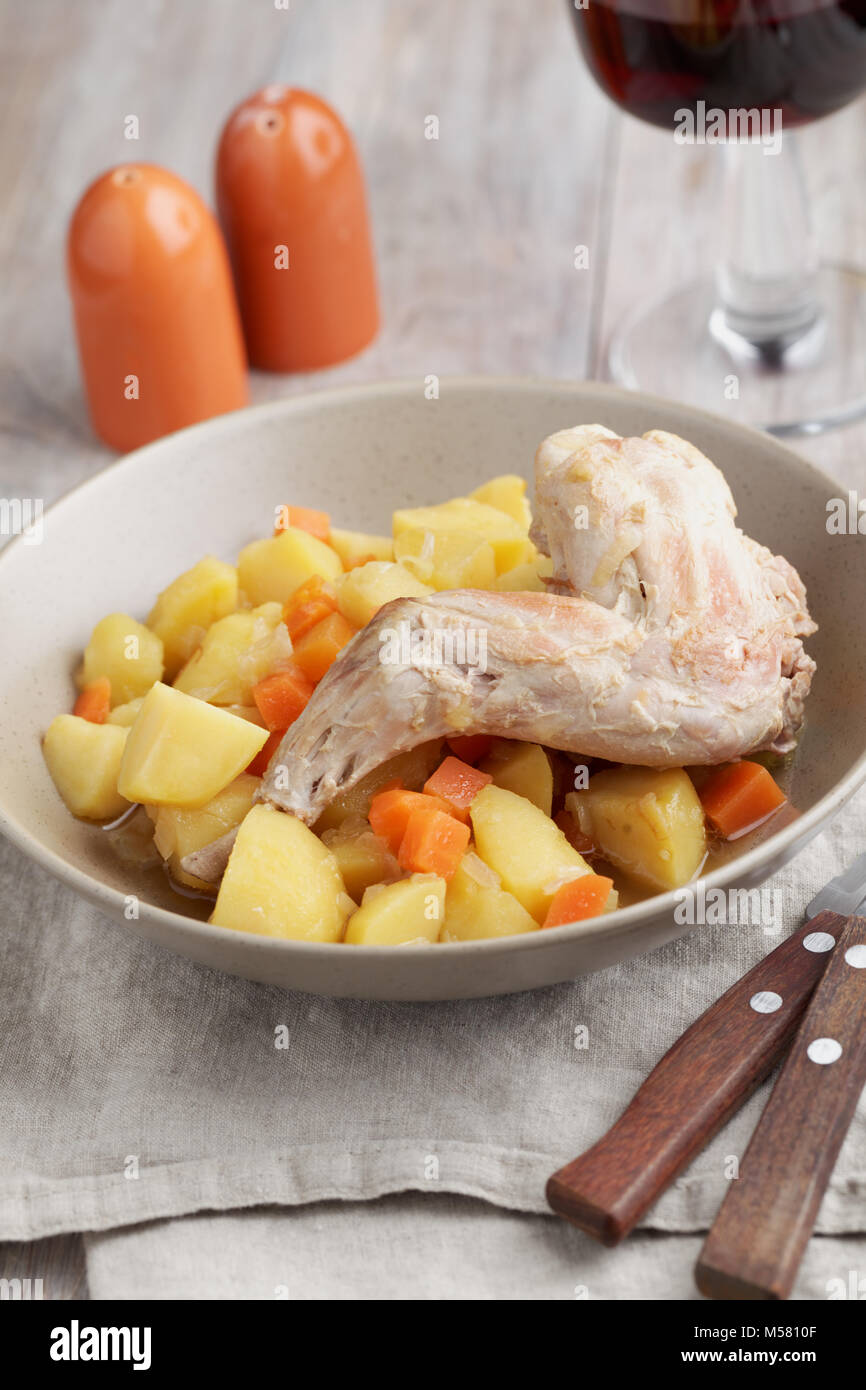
(507,493)
(447,559)
(125,715)
(363,591)
(281,881)
(352,546)
(508,538)
(527,578)
(271,570)
(412,769)
(646,822)
(362,858)
(180,830)
(185,610)
(528,851)
(399,914)
(237,652)
(523,768)
(125,651)
(84,762)
(182,751)
(478,907)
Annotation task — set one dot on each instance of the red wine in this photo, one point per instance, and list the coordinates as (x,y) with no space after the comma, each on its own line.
(657,58)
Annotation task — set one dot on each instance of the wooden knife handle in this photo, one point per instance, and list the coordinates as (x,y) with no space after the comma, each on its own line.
(699,1082)
(756,1243)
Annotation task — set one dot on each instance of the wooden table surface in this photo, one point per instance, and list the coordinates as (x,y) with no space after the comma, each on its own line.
(475,231)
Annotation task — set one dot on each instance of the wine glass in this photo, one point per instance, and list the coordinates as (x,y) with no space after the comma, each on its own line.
(773,331)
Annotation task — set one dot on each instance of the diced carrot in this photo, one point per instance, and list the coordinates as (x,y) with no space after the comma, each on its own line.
(458,783)
(304,519)
(94,702)
(259,765)
(357,560)
(390,811)
(573,833)
(319,647)
(311,603)
(434,843)
(471,748)
(740,796)
(579,898)
(281,697)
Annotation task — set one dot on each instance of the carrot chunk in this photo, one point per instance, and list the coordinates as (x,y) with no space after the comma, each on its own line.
(434,843)
(319,647)
(458,783)
(318,524)
(357,561)
(740,796)
(390,811)
(471,748)
(259,765)
(311,603)
(579,898)
(281,697)
(94,702)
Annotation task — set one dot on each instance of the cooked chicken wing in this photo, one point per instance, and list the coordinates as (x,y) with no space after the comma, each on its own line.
(671,638)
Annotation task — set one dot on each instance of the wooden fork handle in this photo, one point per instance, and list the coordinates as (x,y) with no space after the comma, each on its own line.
(756,1243)
(699,1082)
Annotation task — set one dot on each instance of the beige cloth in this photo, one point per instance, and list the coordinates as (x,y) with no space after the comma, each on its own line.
(119,1059)
(418,1248)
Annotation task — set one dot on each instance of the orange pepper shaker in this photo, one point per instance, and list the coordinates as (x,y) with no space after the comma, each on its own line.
(155,312)
(291,198)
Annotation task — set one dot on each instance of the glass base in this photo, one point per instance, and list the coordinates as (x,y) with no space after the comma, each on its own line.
(680,346)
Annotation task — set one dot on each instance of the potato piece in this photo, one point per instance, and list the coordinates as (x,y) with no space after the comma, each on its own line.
(363,591)
(412,769)
(185,610)
(352,546)
(362,858)
(523,768)
(281,881)
(447,559)
(125,715)
(527,578)
(478,907)
(511,545)
(179,830)
(84,762)
(507,493)
(400,914)
(647,822)
(182,751)
(528,851)
(237,652)
(125,651)
(271,570)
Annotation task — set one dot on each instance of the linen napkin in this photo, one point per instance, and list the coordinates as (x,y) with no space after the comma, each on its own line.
(135,1085)
(416,1247)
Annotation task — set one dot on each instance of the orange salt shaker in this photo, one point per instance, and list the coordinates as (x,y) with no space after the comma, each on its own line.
(155,311)
(291,198)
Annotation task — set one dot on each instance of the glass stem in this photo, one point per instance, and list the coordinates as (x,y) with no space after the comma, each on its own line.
(766,277)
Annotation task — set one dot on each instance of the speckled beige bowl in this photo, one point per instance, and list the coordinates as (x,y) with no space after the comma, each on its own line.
(361,452)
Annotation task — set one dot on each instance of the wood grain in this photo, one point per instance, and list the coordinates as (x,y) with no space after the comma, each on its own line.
(756,1242)
(707,1074)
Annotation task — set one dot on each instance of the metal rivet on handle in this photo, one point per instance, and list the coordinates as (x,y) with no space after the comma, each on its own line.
(765,1002)
(856,956)
(819,941)
(824,1051)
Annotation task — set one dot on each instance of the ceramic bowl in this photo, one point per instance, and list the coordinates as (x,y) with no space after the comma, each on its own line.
(359,453)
